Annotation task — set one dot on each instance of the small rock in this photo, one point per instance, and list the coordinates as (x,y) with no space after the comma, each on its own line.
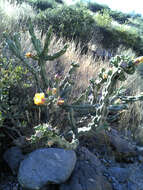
(121,174)
(132,186)
(140,158)
(121,144)
(13,156)
(136,177)
(45,166)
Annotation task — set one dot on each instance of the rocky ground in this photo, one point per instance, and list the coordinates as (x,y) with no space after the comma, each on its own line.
(106,161)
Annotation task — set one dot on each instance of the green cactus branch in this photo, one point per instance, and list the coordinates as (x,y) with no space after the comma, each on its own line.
(128,99)
(72,121)
(36,42)
(16,39)
(56,55)
(12,46)
(67,78)
(43,74)
(80,107)
(47,42)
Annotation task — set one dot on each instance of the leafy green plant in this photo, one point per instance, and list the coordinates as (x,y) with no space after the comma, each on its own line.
(119,16)
(13,80)
(15,100)
(95,7)
(46,136)
(103,18)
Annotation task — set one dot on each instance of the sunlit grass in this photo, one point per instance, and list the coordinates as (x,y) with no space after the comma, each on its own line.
(14,15)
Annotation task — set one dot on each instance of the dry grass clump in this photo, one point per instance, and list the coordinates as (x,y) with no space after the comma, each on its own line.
(14,16)
(88,66)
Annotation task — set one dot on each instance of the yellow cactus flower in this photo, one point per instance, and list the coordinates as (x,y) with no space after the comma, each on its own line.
(54,91)
(39,98)
(60,102)
(138,60)
(28,55)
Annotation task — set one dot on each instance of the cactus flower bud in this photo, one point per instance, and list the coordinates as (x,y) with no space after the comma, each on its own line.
(54,91)
(138,60)
(60,102)
(57,77)
(28,55)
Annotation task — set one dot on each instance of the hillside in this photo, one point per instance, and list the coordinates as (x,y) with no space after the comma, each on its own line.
(70,97)
(90,22)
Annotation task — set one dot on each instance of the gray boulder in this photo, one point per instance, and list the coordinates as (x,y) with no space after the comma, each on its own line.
(13,157)
(46,166)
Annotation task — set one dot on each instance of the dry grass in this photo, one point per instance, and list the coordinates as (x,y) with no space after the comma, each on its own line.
(88,67)
(14,16)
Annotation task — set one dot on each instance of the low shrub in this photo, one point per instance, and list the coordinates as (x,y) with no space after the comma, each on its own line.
(103,18)
(95,7)
(70,23)
(42,4)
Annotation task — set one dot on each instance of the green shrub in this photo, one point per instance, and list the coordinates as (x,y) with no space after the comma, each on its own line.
(42,4)
(119,16)
(95,7)
(68,22)
(14,85)
(16,104)
(103,18)
(115,36)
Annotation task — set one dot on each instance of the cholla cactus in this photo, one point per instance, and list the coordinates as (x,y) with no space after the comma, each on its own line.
(41,55)
(121,66)
(99,108)
(56,98)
